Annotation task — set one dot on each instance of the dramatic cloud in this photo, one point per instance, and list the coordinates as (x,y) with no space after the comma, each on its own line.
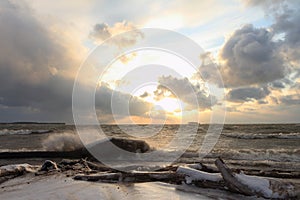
(247,94)
(286,18)
(285,41)
(287,24)
(120,104)
(102,32)
(209,71)
(35,66)
(194,95)
(37,70)
(251,57)
(42,47)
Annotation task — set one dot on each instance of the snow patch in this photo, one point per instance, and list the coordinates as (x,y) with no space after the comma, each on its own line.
(265,187)
(196,175)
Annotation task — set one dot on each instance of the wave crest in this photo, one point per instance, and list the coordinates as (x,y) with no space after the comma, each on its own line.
(263,135)
(67,141)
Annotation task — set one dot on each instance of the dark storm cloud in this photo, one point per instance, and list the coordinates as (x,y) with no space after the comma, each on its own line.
(251,57)
(35,67)
(247,94)
(194,95)
(286,15)
(286,27)
(255,56)
(28,49)
(123,104)
(287,24)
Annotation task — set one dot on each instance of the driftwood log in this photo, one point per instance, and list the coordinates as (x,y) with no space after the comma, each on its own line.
(231,181)
(12,171)
(134,177)
(255,186)
(201,178)
(192,174)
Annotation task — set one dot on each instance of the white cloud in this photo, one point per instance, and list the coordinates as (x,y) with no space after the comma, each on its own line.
(103,31)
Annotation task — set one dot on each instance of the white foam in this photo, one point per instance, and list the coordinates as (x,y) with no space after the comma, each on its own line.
(263,135)
(67,141)
(21,132)
(280,155)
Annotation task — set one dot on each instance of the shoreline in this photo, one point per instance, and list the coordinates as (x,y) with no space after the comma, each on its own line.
(82,174)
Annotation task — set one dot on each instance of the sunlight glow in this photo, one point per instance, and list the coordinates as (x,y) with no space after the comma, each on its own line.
(170,105)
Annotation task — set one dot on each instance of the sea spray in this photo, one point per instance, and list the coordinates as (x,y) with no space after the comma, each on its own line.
(67,141)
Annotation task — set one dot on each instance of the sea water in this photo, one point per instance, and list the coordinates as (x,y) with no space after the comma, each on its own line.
(253,145)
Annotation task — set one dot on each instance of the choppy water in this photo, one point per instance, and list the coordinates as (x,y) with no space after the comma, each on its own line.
(255,144)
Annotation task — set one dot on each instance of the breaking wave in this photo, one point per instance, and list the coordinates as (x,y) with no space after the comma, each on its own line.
(263,135)
(22,132)
(280,155)
(67,141)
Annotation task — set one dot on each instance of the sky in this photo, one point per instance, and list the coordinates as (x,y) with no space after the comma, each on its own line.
(246,69)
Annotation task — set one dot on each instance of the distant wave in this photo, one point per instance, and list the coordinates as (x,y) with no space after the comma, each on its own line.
(280,155)
(263,135)
(22,132)
(275,155)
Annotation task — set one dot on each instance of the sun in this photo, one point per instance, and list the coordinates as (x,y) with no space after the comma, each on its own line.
(168,104)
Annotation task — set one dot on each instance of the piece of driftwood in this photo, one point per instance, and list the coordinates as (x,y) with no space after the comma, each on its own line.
(191,174)
(100,177)
(203,167)
(201,178)
(134,177)
(11,171)
(68,164)
(98,166)
(231,181)
(273,173)
(254,185)
(16,169)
